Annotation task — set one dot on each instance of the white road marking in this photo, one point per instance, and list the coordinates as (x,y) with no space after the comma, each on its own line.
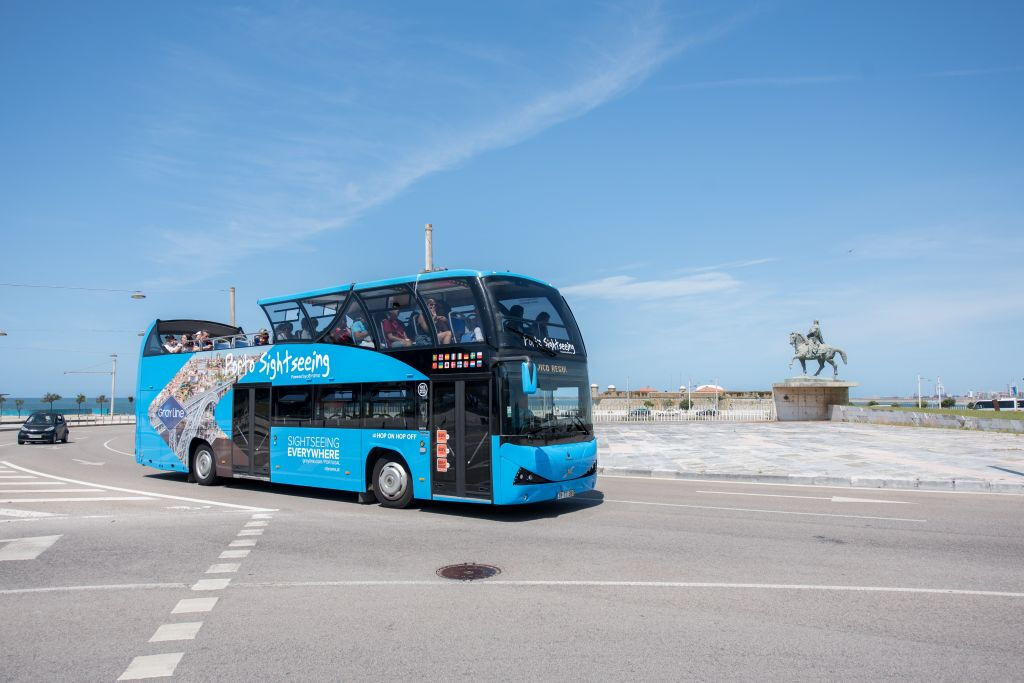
(210,584)
(34,519)
(51,490)
(770,512)
(25,548)
(193,605)
(255,524)
(251,532)
(152,666)
(72,500)
(229,554)
(805,486)
(235,506)
(106,587)
(639,584)
(15,476)
(106,444)
(243,543)
(10,512)
(31,483)
(86,462)
(223,568)
(262,515)
(834,499)
(181,630)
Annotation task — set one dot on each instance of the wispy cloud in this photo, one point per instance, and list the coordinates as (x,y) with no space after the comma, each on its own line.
(958,73)
(315,184)
(628,288)
(767,81)
(731,264)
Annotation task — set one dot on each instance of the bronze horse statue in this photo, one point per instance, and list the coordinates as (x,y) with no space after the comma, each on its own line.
(812,350)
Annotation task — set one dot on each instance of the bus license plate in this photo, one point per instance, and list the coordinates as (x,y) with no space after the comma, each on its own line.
(566,494)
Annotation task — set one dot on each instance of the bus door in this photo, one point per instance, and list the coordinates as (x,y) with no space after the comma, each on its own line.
(462,439)
(250,431)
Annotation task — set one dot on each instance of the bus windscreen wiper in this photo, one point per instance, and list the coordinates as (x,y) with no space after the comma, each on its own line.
(530,338)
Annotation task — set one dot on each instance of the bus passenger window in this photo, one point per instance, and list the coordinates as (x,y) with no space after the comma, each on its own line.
(390,406)
(293,406)
(452,306)
(338,406)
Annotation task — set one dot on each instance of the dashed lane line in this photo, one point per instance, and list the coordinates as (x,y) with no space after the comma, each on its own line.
(11,512)
(831,499)
(152,666)
(103,587)
(25,548)
(235,506)
(179,630)
(194,605)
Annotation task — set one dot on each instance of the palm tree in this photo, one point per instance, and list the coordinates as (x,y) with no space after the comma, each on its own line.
(80,399)
(131,404)
(3,399)
(101,399)
(18,403)
(50,398)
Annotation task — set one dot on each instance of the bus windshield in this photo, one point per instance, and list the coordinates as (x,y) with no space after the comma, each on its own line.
(529,314)
(560,410)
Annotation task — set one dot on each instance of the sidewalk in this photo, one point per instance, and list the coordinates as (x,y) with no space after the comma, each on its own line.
(824,453)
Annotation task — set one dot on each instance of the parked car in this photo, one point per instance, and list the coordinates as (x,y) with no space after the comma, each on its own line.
(706,412)
(639,414)
(43,425)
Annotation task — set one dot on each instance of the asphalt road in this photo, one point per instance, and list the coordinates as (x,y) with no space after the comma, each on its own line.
(110,570)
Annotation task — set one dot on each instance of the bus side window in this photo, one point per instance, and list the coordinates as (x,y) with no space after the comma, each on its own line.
(390,406)
(339,406)
(293,406)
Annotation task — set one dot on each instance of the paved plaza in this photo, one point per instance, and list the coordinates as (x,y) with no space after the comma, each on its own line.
(827,452)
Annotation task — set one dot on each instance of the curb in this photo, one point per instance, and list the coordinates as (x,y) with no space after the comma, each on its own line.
(972,485)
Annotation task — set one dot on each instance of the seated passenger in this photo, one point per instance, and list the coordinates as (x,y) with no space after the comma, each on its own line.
(472,333)
(203,341)
(308,329)
(394,330)
(439,314)
(262,337)
(283,332)
(515,318)
(360,335)
(341,334)
(172,345)
(541,324)
(188,345)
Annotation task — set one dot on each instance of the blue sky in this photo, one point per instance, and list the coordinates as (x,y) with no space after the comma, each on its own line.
(699,178)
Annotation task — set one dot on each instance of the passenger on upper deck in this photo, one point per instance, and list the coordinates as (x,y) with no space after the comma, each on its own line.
(360,335)
(341,334)
(438,312)
(262,337)
(308,329)
(172,345)
(283,332)
(187,344)
(515,318)
(203,341)
(394,330)
(541,324)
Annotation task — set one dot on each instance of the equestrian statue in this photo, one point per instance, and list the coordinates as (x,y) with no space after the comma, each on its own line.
(813,347)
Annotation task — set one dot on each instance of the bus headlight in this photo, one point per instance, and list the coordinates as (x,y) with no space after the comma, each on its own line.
(525,476)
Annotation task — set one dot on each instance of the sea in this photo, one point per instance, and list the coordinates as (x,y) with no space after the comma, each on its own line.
(65,405)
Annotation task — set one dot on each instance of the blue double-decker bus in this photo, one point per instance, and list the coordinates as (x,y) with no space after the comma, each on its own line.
(452,385)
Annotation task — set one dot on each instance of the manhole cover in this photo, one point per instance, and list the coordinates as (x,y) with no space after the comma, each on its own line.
(469,571)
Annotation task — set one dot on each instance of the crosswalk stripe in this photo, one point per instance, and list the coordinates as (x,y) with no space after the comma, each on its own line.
(10,512)
(25,548)
(71,500)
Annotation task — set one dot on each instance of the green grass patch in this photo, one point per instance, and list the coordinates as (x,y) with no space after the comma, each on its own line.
(994,414)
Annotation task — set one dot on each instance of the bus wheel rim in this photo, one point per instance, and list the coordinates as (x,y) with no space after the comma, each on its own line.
(392,481)
(204,463)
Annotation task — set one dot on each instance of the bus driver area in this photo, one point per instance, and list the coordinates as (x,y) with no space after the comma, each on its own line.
(463,386)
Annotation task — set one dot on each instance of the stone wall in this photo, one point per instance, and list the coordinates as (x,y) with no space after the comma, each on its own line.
(840,413)
(808,402)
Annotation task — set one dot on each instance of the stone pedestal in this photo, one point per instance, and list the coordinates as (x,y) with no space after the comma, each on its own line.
(809,398)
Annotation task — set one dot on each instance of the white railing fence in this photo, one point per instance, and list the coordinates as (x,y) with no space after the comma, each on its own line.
(764,413)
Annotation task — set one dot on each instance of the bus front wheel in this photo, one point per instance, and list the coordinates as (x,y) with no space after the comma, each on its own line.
(204,467)
(392,484)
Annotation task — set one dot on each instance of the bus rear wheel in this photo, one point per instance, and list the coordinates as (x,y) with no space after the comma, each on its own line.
(204,467)
(392,484)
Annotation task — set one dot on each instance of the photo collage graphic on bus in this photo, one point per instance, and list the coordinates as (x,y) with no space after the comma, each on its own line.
(457,361)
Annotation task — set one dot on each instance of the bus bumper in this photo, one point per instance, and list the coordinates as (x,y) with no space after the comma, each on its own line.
(536,493)
(561,465)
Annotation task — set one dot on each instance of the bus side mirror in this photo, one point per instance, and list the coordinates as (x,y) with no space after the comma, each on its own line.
(529,376)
